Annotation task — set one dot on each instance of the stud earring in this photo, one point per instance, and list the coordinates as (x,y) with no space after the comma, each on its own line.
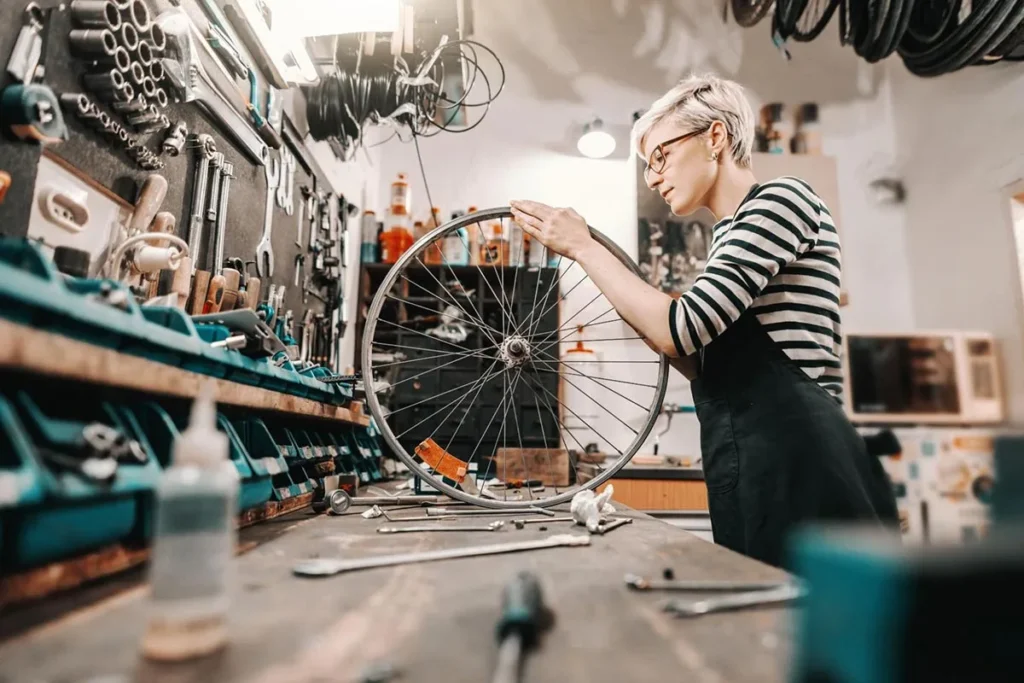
(714,156)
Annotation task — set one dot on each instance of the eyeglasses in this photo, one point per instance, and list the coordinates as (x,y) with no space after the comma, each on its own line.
(658,161)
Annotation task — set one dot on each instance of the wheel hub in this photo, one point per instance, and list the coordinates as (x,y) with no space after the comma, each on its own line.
(514,351)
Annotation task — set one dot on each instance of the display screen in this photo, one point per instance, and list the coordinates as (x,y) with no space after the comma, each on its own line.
(903,375)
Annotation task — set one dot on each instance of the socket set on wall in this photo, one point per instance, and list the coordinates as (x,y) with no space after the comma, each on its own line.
(122,46)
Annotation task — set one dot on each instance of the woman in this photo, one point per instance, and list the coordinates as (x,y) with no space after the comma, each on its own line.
(758,334)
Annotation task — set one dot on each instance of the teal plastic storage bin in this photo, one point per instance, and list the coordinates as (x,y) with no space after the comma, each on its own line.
(75,515)
(264,453)
(20,483)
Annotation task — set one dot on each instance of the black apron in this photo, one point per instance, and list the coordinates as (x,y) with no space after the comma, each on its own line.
(777,448)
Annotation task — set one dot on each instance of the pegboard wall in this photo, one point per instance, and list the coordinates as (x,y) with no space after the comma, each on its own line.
(92,155)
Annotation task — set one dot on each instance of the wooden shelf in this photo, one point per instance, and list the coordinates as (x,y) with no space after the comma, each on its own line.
(37,351)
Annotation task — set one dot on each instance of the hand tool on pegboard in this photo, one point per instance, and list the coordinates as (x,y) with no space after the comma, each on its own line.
(206,149)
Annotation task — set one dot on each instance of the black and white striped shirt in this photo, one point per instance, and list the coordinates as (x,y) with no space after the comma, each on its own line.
(779,256)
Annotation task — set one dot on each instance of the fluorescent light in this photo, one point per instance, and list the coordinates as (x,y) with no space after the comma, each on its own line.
(309,18)
(595,142)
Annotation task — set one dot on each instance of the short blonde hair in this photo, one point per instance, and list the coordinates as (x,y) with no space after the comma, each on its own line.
(698,101)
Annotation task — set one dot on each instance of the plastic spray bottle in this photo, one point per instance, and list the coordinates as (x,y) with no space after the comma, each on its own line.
(194,543)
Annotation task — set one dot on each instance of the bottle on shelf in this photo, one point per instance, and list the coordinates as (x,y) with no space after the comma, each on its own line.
(807,139)
(494,251)
(396,240)
(369,252)
(401,197)
(456,244)
(433,254)
(193,543)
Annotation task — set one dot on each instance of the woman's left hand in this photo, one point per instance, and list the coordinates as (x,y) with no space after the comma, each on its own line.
(563,231)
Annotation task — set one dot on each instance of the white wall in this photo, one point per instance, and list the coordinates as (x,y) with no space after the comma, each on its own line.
(961,141)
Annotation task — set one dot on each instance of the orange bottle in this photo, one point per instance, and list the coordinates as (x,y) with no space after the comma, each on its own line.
(432,256)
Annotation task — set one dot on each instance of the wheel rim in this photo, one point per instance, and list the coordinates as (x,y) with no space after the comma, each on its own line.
(520,350)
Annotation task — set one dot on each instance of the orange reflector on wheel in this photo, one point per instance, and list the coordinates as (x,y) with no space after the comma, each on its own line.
(443,462)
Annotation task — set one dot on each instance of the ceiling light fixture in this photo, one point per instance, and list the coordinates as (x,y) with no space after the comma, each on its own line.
(596,142)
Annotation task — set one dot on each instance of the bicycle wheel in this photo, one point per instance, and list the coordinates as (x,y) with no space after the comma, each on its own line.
(479,372)
(749,12)
(814,19)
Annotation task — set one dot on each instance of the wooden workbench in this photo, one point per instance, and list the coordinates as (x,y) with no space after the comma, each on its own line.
(435,622)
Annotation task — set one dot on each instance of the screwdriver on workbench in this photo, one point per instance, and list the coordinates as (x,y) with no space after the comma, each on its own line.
(523,618)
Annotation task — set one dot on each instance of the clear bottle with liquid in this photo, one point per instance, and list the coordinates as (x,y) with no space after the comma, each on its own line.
(190,568)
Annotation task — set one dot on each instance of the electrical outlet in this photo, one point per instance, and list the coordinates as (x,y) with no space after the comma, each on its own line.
(70,209)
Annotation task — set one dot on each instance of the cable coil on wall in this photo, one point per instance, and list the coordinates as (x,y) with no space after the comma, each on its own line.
(412,99)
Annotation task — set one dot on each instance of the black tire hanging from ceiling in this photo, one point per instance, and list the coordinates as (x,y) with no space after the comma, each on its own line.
(988,25)
(813,20)
(749,12)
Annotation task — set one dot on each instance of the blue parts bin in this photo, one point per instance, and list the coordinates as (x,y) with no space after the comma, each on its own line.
(103,312)
(73,514)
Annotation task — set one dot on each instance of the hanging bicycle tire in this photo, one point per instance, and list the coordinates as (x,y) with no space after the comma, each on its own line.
(748,13)
(987,26)
(502,346)
(813,20)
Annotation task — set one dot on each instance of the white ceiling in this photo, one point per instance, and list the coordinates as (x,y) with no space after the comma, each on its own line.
(614,56)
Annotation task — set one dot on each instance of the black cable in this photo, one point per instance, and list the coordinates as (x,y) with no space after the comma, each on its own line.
(343,102)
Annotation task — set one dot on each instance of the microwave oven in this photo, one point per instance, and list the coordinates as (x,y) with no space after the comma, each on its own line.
(923,377)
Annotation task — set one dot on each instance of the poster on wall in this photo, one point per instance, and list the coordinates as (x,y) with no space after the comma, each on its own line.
(672,250)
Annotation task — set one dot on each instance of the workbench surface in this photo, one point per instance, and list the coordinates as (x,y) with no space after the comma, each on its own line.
(435,622)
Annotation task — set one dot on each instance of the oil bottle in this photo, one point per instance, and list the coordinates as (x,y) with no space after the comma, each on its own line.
(194,543)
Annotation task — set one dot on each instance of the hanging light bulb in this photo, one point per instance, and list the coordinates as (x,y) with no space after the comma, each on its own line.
(596,142)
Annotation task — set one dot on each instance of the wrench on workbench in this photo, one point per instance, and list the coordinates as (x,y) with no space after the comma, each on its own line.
(324,566)
(264,250)
(784,594)
(493,526)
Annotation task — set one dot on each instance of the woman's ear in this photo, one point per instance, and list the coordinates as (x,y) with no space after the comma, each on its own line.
(717,138)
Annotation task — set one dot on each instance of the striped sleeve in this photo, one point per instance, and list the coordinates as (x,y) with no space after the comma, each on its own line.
(770,231)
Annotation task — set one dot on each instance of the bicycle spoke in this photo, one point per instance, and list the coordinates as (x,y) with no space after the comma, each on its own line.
(480,388)
(423,334)
(481,380)
(441,285)
(469,353)
(451,362)
(483,327)
(547,293)
(621,421)
(447,391)
(589,323)
(559,422)
(588,425)
(606,379)
(480,270)
(600,381)
(591,341)
(468,298)
(563,297)
(519,435)
(434,357)
(555,333)
(480,323)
